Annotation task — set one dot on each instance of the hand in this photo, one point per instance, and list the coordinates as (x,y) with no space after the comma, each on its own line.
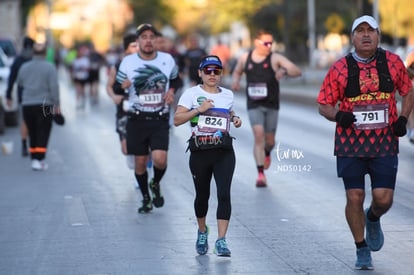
(400,126)
(207,104)
(126,84)
(345,119)
(235,86)
(237,122)
(117,99)
(169,97)
(9,102)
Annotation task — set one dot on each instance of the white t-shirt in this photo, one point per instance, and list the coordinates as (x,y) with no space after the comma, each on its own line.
(80,67)
(214,120)
(150,81)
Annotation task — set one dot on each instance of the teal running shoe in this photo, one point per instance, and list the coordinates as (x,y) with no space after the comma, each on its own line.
(363,261)
(202,242)
(373,236)
(221,248)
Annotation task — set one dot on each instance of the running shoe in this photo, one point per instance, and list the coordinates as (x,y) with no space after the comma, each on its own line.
(374,236)
(39,165)
(261,181)
(202,242)
(221,248)
(130,161)
(267,162)
(146,206)
(363,261)
(157,198)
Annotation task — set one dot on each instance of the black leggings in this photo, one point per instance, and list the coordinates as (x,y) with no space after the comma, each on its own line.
(38,119)
(205,164)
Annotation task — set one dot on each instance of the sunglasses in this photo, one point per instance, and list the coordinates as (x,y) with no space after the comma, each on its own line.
(208,70)
(146,25)
(266,44)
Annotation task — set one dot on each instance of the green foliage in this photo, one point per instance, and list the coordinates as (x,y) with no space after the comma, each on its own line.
(156,12)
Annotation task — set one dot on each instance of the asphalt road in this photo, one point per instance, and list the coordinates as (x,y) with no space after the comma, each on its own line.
(79,216)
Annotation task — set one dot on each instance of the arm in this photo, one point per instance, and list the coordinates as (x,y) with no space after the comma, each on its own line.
(109,87)
(182,115)
(235,119)
(238,71)
(284,67)
(407,103)
(328,111)
(54,86)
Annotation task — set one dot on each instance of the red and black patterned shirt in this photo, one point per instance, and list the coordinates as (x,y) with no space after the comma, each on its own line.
(375,108)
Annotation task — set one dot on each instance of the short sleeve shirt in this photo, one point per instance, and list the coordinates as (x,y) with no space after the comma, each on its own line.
(213,120)
(149,81)
(353,142)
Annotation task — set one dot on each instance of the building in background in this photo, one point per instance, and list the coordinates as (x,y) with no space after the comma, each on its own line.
(10,12)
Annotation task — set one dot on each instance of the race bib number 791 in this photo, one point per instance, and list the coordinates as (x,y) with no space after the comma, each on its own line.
(371,116)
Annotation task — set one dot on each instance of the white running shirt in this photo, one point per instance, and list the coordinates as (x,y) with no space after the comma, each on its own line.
(213,120)
(150,81)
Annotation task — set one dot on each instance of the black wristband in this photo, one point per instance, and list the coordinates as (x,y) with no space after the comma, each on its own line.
(232,118)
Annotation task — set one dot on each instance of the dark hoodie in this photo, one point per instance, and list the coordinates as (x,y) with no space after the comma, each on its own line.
(24,56)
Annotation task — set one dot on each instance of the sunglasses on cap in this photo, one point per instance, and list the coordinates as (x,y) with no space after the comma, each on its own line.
(209,70)
(266,44)
(144,25)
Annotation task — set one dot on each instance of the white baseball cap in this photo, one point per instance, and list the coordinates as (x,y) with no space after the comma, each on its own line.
(365,19)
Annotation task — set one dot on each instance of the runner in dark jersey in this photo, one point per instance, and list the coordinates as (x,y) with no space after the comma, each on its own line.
(119,96)
(23,57)
(263,69)
(368,126)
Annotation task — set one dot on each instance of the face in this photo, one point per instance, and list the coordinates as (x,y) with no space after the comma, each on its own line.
(365,40)
(160,43)
(210,75)
(132,48)
(263,43)
(146,42)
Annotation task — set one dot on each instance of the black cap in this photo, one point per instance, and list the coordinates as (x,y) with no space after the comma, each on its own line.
(128,39)
(145,27)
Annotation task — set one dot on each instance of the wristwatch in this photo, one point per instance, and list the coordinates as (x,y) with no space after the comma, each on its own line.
(232,118)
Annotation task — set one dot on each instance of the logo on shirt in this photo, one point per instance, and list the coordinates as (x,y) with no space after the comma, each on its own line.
(150,78)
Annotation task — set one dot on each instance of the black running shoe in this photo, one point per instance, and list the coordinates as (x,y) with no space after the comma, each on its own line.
(146,206)
(157,198)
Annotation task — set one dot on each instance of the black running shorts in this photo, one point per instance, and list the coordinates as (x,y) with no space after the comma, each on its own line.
(145,134)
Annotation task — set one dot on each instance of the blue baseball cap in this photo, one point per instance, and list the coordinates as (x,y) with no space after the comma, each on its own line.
(210,60)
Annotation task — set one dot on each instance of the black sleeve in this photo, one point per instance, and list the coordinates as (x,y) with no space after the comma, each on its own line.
(117,87)
(176,83)
(14,69)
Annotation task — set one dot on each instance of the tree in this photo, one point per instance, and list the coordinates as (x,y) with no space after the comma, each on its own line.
(156,12)
(396,18)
